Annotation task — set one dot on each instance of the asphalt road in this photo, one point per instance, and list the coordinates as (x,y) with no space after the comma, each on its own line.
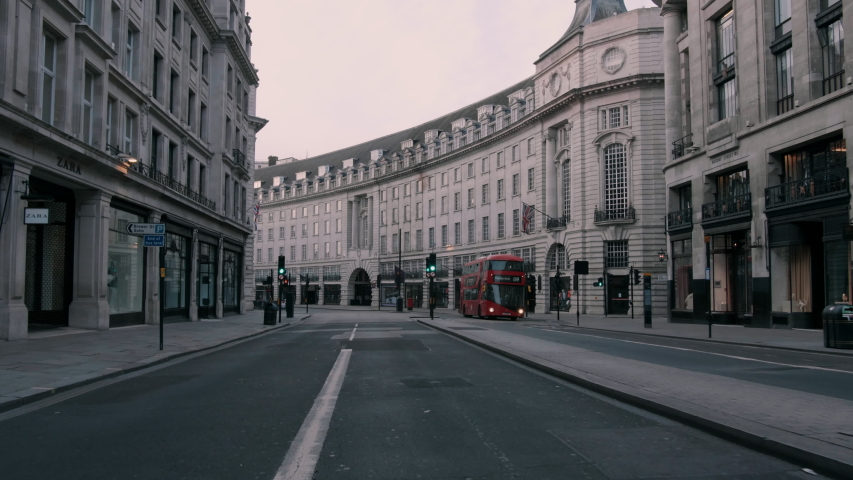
(413,404)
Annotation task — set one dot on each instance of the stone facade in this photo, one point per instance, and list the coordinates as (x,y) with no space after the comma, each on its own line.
(581,141)
(757,100)
(117,112)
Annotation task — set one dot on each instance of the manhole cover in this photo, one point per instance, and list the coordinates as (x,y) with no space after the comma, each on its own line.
(384,344)
(435,382)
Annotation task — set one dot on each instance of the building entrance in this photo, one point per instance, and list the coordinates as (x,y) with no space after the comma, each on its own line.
(362,294)
(50,257)
(618,298)
(416,293)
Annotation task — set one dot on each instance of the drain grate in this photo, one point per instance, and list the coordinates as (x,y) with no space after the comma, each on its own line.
(435,382)
(384,344)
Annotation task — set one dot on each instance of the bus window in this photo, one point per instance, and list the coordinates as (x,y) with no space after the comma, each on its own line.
(511,296)
(506,265)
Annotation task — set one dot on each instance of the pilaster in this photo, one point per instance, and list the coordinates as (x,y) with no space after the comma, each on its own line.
(672,72)
(193,311)
(89,308)
(220,257)
(552,172)
(13,253)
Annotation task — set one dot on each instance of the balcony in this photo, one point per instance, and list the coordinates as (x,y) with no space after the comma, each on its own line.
(682,146)
(414,274)
(833,82)
(818,188)
(442,274)
(738,206)
(618,215)
(557,223)
(172,184)
(681,219)
(785,104)
(332,277)
(239,159)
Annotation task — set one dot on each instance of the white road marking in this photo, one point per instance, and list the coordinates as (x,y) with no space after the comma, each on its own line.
(352,335)
(301,458)
(707,353)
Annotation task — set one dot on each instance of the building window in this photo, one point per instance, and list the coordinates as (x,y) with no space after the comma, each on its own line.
(130,54)
(316,251)
(444,236)
(531,147)
(259,260)
(205,62)
(327,250)
(269,254)
(337,225)
(500,160)
(395,243)
(304,252)
(785,81)
(338,248)
(419,210)
(457,201)
(831,39)
(407,213)
(304,230)
(515,156)
(281,233)
(269,235)
(444,204)
(516,228)
(48,78)
(615,180)
(471,170)
(485,194)
(383,244)
(682,271)
(783,17)
(407,189)
(457,233)
(431,207)
(395,216)
(293,252)
(725,78)
(88,108)
(485,229)
(501,227)
(472,231)
(471,198)
(129,132)
(431,237)
(293,231)
(500,189)
(112,105)
(419,240)
(485,164)
(316,228)
(515,184)
(382,218)
(443,179)
(617,254)
(567,190)
(176,24)
(530,179)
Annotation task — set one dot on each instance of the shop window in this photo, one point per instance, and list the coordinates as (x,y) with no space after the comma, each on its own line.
(682,269)
(125,270)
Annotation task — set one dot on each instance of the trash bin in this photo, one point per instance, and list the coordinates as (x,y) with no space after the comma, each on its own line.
(838,326)
(270,313)
(410,303)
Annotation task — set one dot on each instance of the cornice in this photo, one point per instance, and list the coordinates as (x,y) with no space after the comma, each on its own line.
(68,10)
(570,97)
(205,18)
(240,55)
(90,37)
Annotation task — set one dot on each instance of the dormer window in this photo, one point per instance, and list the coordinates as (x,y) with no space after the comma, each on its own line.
(407,144)
(301,175)
(376,154)
(348,163)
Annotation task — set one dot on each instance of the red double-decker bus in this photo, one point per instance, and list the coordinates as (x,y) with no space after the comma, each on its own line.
(493,287)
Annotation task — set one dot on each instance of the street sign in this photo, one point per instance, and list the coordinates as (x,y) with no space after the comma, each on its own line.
(281,277)
(36,216)
(154,240)
(146,228)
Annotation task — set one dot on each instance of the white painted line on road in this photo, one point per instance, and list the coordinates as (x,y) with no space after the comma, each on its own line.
(353,332)
(301,458)
(707,353)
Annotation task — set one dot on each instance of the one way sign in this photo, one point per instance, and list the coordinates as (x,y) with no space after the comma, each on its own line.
(146,228)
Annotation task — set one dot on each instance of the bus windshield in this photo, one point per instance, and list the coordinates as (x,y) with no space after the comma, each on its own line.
(509,265)
(510,296)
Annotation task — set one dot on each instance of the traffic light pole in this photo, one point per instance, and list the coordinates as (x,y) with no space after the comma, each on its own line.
(431,299)
(558,285)
(578,295)
(631,279)
(280,293)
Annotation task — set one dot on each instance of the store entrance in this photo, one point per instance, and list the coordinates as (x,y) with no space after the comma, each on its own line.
(618,298)
(50,257)
(416,293)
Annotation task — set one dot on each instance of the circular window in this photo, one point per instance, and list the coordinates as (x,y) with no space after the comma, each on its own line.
(612,60)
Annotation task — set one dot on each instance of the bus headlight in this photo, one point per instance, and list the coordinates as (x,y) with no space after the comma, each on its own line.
(521,311)
(491,310)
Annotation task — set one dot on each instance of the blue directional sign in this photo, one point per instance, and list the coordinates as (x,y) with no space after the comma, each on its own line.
(146,228)
(154,240)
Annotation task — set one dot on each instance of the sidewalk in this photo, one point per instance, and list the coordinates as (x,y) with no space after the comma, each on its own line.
(808,340)
(802,427)
(55,360)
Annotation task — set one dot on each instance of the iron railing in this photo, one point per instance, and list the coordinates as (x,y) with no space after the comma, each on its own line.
(332,277)
(441,273)
(528,267)
(729,207)
(833,82)
(615,214)
(824,186)
(559,222)
(414,273)
(172,184)
(785,104)
(457,272)
(679,219)
(680,146)
(239,158)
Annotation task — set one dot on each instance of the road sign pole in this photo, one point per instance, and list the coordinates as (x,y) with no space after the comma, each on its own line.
(162,291)
(647,300)
(280,283)
(578,294)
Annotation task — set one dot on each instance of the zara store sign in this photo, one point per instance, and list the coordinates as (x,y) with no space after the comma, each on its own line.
(36,216)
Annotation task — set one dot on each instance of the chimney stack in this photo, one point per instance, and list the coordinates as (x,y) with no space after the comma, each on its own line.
(272,160)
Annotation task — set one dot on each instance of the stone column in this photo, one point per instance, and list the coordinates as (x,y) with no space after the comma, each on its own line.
(353,222)
(672,72)
(370,223)
(152,278)
(13,253)
(89,308)
(220,257)
(551,173)
(193,310)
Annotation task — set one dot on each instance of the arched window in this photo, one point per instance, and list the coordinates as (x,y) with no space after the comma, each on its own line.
(567,190)
(365,232)
(615,180)
(558,257)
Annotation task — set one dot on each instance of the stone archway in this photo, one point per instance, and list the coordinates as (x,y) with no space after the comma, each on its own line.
(360,293)
(557,256)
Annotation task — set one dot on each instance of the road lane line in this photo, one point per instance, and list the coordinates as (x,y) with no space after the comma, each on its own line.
(301,458)
(353,332)
(708,353)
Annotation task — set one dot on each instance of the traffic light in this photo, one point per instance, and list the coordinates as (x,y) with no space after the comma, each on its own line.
(599,283)
(636,277)
(281,269)
(430,263)
(286,282)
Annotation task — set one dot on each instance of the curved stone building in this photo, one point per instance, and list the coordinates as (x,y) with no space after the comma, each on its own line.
(581,143)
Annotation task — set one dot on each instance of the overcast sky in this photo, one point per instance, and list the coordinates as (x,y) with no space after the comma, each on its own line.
(336,73)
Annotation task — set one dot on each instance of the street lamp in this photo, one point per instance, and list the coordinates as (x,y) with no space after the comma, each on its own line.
(127,158)
(662,255)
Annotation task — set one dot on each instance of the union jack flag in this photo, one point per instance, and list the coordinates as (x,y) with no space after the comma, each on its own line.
(257,211)
(527,218)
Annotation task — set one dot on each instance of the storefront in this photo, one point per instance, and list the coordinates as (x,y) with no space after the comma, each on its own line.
(441,292)
(50,255)
(682,272)
(176,295)
(206,279)
(415,292)
(125,268)
(389,295)
(331,294)
(731,277)
(231,280)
